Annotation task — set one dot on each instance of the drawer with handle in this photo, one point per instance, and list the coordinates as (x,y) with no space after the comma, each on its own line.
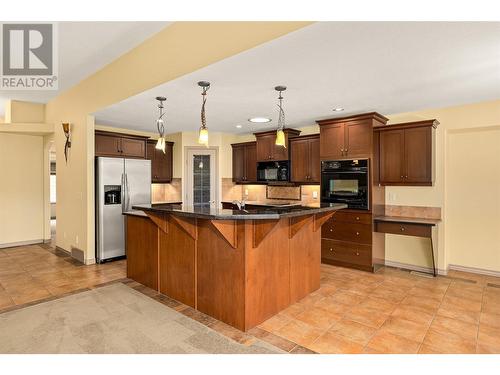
(406,229)
(359,233)
(352,217)
(346,252)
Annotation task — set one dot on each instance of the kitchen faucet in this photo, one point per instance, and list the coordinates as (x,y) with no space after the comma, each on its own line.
(240,204)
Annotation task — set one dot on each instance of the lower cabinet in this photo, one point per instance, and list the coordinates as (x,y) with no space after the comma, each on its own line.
(346,240)
(142,250)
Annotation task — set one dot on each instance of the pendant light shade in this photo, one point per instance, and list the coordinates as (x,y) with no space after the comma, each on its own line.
(160,125)
(280,134)
(280,138)
(203,133)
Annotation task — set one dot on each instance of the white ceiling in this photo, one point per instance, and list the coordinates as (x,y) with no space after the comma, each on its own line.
(360,66)
(84,48)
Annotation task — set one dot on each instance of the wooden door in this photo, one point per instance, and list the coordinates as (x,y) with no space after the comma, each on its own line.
(107,145)
(358,139)
(314,161)
(251,162)
(265,147)
(300,160)
(332,139)
(392,156)
(133,148)
(418,155)
(238,163)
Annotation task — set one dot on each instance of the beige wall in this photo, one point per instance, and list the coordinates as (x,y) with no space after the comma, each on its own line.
(21,188)
(17,111)
(414,251)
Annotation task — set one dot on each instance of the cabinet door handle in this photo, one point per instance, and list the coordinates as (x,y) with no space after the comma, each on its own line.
(357,253)
(357,217)
(406,177)
(402,229)
(331,229)
(402,177)
(357,233)
(346,151)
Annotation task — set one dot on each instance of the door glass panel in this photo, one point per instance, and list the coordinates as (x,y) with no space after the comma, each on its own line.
(201,180)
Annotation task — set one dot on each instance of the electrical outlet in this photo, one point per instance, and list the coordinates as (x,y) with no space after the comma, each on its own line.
(315,195)
(76,240)
(64,234)
(392,197)
(246,192)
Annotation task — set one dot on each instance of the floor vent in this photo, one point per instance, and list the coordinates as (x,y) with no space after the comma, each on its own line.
(422,274)
(461,279)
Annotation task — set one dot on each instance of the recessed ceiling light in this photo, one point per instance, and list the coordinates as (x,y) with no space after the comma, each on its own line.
(238,126)
(259,119)
(338,109)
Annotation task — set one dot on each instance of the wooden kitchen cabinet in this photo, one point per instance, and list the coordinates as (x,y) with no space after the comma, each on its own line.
(406,154)
(119,145)
(161,163)
(348,137)
(266,146)
(304,157)
(244,162)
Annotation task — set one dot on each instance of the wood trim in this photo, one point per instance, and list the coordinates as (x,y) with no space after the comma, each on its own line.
(188,224)
(161,220)
(363,116)
(242,144)
(289,132)
(321,218)
(407,125)
(296,224)
(121,135)
(260,229)
(228,230)
(303,137)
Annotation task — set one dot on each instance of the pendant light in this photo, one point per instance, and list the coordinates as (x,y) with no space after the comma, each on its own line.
(160,125)
(203,134)
(280,134)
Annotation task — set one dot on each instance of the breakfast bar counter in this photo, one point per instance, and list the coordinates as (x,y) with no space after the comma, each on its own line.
(238,266)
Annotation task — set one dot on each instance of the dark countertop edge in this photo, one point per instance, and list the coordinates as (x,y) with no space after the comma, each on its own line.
(135,213)
(256,216)
(408,220)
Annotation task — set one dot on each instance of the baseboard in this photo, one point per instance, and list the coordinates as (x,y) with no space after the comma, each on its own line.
(413,267)
(63,250)
(20,243)
(88,262)
(479,271)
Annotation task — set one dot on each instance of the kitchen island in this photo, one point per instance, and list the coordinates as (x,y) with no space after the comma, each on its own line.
(238,266)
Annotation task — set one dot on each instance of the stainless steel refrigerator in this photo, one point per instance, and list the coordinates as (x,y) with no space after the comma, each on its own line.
(120,184)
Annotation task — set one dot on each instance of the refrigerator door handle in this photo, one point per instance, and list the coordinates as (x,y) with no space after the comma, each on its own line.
(123,193)
(127,192)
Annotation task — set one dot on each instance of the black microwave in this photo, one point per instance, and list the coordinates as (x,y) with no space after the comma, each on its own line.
(273,171)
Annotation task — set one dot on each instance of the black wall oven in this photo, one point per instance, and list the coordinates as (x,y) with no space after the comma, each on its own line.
(345,181)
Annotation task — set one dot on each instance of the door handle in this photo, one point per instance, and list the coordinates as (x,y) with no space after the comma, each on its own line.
(123,192)
(127,190)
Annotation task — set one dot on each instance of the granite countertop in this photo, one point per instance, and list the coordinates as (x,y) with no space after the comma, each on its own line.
(269,203)
(266,213)
(408,220)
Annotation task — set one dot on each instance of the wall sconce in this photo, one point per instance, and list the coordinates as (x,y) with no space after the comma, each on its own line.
(67,133)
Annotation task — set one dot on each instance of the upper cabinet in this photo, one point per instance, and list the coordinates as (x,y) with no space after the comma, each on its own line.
(406,153)
(267,149)
(304,159)
(349,137)
(244,162)
(161,163)
(119,145)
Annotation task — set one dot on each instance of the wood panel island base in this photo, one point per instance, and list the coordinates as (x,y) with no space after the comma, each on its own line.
(240,267)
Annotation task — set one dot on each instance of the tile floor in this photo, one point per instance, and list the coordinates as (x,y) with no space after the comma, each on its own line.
(391,311)
(394,311)
(32,273)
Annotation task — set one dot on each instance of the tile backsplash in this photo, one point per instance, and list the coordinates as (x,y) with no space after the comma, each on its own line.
(167,192)
(305,193)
